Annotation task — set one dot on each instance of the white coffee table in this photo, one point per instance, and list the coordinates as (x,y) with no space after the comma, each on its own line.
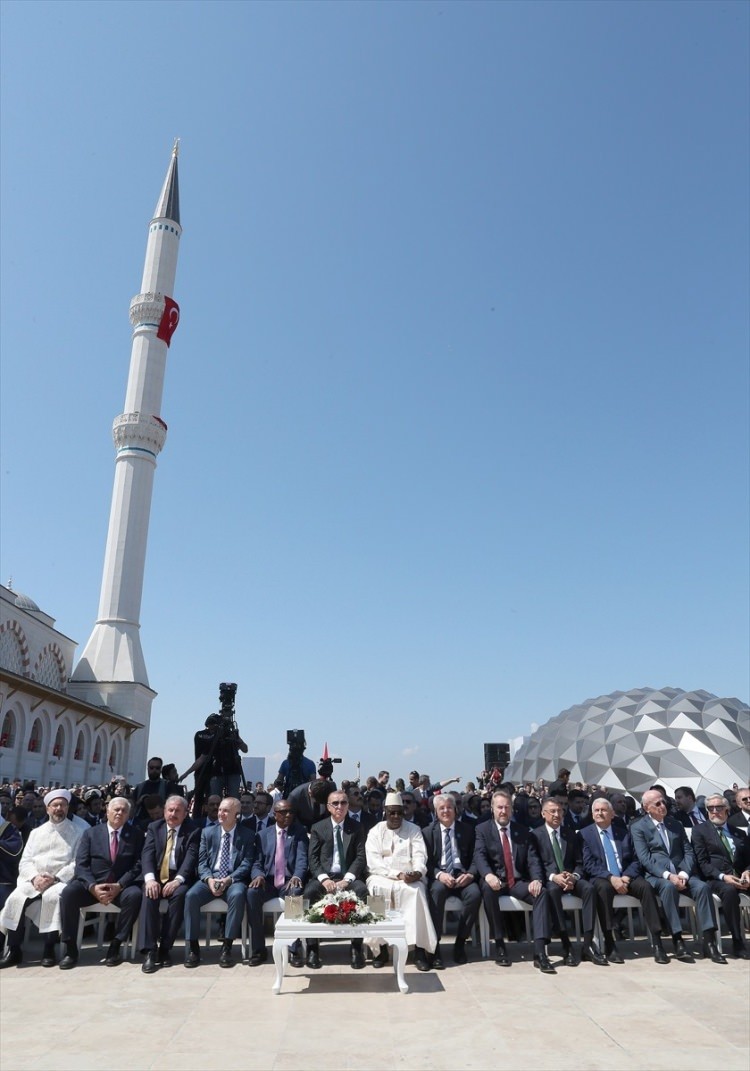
(392,930)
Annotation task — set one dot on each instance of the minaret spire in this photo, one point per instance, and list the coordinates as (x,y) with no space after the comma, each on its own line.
(111,669)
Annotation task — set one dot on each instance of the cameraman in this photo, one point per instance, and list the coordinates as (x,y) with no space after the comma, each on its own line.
(296,769)
(217,761)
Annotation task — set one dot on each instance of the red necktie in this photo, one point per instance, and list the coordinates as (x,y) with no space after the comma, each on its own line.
(508,857)
(113,846)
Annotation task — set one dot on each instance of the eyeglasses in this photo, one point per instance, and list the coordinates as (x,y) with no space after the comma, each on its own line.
(742,799)
(717,807)
(283,810)
(659,803)
(339,803)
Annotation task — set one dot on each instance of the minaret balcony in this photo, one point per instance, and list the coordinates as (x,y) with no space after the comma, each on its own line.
(146,309)
(140,433)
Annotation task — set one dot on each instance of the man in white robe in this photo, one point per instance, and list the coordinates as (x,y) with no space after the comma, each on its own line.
(47,865)
(397,865)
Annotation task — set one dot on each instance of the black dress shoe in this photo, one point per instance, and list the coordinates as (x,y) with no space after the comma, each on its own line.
(459,954)
(614,956)
(740,951)
(258,957)
(358,958)
(165,958)
(114,955)
(151,963)
(192,959)
(593,955)
(49,958)
(437,962)
(296,959)
(569,959)
(680,951)
(12,957)
(421,962)
(313,959)
(69,961)
(660,956)
(226,959)
(381,958)
(712,951)
(502,959)
(543,964)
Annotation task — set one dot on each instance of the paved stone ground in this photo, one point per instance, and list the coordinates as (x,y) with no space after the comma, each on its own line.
(635,1016)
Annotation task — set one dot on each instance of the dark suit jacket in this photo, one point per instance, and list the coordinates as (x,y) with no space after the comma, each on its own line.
(251,823)
(185,851)
(651,850)
(711,857)
(93,864)
(465,840)
(594,859)
(320,854)
(739,821)
(306,810)
(570,823)
(572,851)
(489,858)
(684,819)
(296,853)
(366,820)
(245,847)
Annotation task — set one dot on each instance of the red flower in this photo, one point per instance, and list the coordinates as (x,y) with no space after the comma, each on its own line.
(330,912)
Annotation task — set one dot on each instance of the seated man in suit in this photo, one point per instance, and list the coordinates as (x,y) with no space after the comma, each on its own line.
(397,862)
(561,857)
(610,862)
(723,857)
(108,871)
(668,860)
(280,869)
(741,820)
(225,860)
(170,864)
(687,811)
(262,816)
(336,858)
(507,866)
(451,872)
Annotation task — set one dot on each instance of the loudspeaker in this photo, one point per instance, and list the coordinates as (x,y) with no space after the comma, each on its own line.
(496,755)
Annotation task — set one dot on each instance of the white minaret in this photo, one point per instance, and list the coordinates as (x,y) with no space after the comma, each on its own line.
(111,670)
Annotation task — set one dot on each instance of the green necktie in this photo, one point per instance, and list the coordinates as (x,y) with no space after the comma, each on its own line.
(556,850)
(727,845)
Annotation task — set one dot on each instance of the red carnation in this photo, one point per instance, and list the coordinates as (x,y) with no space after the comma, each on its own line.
(330,912)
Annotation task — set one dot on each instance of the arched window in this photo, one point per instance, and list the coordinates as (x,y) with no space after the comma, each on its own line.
(59,749)
(8,732)
(78,755)
(97,756)
(35,739)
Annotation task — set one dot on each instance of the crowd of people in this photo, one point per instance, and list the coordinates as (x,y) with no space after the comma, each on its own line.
(413,843)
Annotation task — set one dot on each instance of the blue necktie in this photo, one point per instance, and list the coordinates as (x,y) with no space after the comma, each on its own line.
(611,854)
(224,866)
(448,847)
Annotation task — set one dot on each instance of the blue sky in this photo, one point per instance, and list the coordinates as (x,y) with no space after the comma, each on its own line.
(458,404)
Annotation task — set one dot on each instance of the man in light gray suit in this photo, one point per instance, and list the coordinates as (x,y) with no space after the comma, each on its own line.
(668,861)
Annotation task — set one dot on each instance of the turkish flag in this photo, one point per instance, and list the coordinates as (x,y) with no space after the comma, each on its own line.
(169,320)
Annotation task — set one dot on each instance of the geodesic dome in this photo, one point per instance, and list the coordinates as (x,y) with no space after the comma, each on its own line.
(630,740)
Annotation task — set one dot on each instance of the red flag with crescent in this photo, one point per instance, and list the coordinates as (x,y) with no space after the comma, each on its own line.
(169,320)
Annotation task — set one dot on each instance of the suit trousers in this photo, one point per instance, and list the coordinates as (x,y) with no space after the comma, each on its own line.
(76,895)
(539,909)
(640,889)
(470,898)
(670,896)
(159,930)
(256,898)
(585,891)
(200,894)
(730,905)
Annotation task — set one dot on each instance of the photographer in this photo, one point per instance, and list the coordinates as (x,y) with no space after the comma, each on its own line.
(217,766)
(296,769)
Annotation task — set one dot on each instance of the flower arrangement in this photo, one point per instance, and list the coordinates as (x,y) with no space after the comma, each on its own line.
(341,909)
